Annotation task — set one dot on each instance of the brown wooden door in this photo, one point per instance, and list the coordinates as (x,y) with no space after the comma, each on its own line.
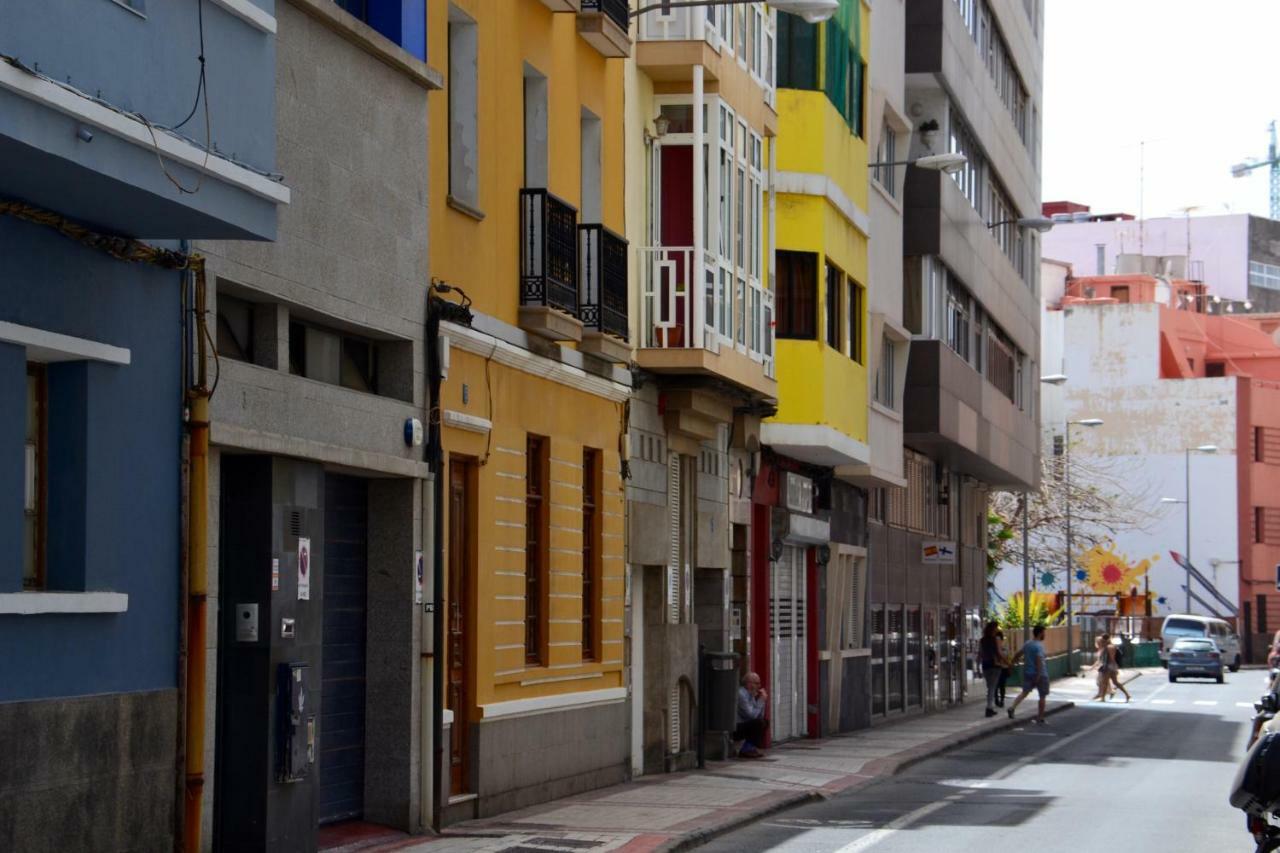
(459,598)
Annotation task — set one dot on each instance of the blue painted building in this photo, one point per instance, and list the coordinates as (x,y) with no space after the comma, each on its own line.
(107,123)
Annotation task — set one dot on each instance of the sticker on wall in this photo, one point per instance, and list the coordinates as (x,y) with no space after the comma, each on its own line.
(304,569)
(938,552)
(417,577)
(275,574)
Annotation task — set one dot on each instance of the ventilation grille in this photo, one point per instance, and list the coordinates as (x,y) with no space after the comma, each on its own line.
(295,522)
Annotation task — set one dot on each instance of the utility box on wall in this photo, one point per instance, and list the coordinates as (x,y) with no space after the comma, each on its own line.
(296,741)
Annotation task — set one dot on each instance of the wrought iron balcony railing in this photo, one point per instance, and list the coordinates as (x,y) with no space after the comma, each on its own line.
(548,251)
(602,273)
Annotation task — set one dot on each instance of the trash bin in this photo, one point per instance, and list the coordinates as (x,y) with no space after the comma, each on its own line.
(721,700)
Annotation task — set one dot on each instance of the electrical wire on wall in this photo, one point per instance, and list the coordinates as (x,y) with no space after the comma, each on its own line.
(488,391)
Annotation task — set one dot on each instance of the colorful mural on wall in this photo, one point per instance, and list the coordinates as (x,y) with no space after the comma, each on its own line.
(1107,571)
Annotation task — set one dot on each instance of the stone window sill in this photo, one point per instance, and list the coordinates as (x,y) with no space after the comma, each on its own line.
(33,603)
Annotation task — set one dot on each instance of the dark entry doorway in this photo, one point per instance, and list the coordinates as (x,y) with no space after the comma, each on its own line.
(342,716)
(461,473)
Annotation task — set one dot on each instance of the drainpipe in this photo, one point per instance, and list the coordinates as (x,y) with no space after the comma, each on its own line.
(197,580)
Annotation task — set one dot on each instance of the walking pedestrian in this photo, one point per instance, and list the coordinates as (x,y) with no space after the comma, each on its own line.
(1111,668)
(1101,679)
(1005,668)
(1035,673)
(989,656)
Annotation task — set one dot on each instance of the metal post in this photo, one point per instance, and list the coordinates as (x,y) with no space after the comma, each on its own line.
(1187,471)
(1026,577)
(1070,570)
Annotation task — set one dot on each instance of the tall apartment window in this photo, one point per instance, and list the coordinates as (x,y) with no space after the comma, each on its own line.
(885,375)
(959,317)
(797,295)
(970,178)
(886,152)
(1002,363)
(35,479)
(328,355)
(464,152)
(835,283)
(854,305)
(535,128)
(536,535)
(591,542)
(590,210)
(235,328)
(797,53)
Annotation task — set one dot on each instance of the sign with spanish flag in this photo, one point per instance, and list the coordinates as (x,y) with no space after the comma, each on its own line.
(938,552)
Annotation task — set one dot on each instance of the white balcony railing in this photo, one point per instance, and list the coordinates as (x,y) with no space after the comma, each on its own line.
(675,315)
(747,33)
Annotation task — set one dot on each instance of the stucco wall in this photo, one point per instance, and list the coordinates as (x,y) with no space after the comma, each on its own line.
(1111,360)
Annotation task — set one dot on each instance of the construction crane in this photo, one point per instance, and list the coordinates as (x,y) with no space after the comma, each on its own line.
(1239,170)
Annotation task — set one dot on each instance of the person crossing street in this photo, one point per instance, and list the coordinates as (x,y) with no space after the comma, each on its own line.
(1035,672)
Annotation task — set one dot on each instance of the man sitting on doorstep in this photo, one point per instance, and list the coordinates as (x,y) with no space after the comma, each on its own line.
(752,725)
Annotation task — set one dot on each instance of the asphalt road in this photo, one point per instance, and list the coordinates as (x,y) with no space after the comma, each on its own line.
(1152,775)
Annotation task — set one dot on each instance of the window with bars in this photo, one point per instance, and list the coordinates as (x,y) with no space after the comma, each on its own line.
(591,541)
(1002,362)
(536,534)
(852,634)
(797,295)
(1266,525)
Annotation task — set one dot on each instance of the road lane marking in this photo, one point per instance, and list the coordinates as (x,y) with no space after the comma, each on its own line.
(1244,704)
(1162,701)
(1205,702)
(902,822)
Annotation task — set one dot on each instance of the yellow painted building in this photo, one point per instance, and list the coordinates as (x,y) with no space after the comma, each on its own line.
(526,203)
(822,268)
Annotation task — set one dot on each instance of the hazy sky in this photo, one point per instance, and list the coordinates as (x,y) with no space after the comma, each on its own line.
(1198,81)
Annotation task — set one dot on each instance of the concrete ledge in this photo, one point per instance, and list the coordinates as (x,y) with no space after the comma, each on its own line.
(34,603)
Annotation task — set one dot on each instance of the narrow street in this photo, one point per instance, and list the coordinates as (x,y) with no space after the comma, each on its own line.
(1152,775)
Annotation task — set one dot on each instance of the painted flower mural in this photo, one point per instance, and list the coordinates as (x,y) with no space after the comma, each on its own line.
(1108,571)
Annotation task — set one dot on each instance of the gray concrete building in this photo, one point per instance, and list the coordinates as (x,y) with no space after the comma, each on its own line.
(317,684)
(973,86)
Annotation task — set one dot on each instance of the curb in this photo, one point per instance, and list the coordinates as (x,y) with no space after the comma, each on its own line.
(701,836)
(894,765)
(873,771)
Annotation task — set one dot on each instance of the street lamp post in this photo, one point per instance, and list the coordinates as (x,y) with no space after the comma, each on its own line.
(1186,502)
(1049,379)
(1087,422)
(949,162)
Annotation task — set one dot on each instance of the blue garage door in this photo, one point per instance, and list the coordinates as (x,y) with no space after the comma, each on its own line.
(346,548)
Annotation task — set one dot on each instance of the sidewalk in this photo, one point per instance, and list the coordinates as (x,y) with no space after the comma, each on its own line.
(676,811)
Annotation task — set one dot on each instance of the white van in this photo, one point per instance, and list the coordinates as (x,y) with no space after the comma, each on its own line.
(1177,627)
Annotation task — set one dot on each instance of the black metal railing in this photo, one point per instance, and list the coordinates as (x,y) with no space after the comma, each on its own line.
(615,10)
(602,272)
(548,251)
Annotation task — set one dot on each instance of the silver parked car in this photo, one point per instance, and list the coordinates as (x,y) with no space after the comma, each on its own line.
(1197,657)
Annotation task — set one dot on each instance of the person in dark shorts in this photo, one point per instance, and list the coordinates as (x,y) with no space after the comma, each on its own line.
(990,655)
(1035,672)
(1005,667)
